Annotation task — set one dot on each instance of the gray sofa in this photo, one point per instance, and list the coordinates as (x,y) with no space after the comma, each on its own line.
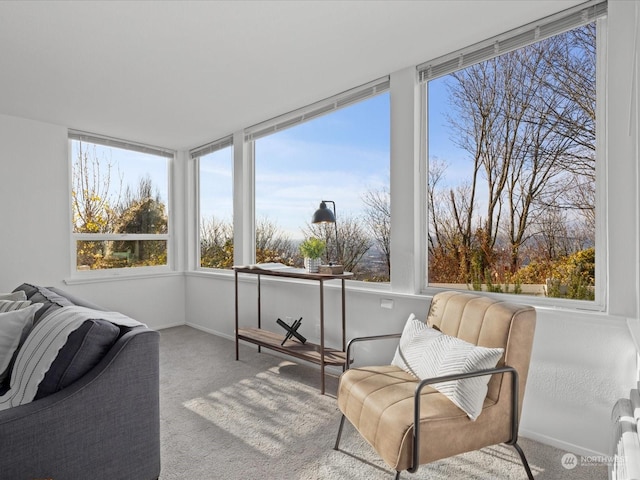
(103,423)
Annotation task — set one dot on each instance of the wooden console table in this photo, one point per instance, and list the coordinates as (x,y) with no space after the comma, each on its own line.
(318,354)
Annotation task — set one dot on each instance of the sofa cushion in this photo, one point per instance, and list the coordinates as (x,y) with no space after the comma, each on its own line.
(44,346)
(84,349)
(426,353)
(13,324)
(75,299)
(48,300)
(51,300)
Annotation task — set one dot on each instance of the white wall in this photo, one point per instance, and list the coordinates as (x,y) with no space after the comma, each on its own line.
(34,205)
(581,364)
(35,233)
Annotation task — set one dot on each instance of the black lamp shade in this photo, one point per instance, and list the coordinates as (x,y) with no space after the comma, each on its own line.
(323,215)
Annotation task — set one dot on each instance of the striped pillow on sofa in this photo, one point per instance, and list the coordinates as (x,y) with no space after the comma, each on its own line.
(10,306)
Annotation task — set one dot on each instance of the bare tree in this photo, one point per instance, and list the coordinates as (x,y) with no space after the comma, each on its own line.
(93,200)
(572,75)
(517,124)
(93,203)
(377,217)
(450,240)
(216,243)
(352,237)
(272,245)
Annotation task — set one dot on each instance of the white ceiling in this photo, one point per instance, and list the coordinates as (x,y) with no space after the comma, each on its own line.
(178,74)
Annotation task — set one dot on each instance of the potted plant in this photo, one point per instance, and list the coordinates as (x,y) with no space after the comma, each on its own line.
(312,250)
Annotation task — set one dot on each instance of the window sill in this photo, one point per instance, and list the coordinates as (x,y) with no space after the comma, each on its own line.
(115,275)
(538,302)
(351,285)
(372,288)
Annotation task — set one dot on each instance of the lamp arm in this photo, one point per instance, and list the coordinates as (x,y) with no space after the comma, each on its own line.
(335,223)
(335,215)
(337,244)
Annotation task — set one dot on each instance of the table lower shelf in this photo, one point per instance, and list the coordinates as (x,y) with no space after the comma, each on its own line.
(304,351)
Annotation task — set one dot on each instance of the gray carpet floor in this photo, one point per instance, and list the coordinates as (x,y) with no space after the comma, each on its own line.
(262,417)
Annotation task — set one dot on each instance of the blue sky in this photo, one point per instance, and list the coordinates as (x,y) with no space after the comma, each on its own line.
(441,145)
(338,156)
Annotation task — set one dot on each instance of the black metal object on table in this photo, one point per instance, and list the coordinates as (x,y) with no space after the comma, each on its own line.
(292,331)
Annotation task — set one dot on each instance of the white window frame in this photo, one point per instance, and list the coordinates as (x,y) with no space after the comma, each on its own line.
(114,273)
(194,155)
(246,254)
(518,38)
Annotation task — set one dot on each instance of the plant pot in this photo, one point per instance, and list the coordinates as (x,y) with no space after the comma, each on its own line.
(312,265)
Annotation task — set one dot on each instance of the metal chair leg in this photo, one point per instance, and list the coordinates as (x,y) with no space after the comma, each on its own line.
(523,459)
(335,447)
(397,475)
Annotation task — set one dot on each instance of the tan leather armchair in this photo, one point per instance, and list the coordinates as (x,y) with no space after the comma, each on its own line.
(384,403)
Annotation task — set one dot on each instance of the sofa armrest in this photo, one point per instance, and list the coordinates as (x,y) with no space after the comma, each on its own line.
(106,425)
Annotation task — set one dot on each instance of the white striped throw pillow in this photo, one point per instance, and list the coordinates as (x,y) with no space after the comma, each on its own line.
(12,326)
(10,306)
(427,353)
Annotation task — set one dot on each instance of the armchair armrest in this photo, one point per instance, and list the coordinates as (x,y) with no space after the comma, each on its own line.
(366,339)
(461,376)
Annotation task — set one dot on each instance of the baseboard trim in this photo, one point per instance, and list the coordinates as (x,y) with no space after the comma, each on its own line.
(209,330)
(560,444)
(171,325)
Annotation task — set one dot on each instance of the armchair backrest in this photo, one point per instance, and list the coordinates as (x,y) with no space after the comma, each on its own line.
(488,322)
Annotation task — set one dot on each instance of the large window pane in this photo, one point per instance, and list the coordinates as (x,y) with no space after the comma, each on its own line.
(342,156)
(216,209)
(117,191)
(512,157)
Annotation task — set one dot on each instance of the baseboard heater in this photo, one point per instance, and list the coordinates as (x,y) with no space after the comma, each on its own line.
(625,443)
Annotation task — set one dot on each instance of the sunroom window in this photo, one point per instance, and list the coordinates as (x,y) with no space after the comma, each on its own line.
(511,129)
(120,203)
(337,151)
(215,176)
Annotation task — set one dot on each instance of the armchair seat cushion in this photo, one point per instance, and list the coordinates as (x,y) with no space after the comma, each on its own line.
(379,401)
